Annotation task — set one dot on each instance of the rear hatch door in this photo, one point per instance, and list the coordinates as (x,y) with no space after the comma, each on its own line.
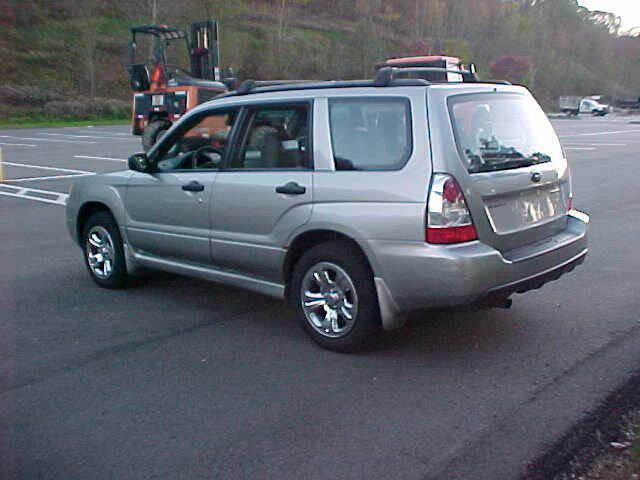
(507,158)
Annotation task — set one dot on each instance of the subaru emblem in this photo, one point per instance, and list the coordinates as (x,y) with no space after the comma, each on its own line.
(536,177)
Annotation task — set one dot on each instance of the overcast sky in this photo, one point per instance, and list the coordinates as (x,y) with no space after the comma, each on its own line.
(629,10)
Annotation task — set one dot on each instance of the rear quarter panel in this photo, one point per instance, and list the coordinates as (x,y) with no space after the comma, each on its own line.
(373,205)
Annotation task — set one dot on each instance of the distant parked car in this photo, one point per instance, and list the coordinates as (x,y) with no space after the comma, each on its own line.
(577,105)
(357,201)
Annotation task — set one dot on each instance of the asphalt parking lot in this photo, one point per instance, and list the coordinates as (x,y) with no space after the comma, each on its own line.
(179,378)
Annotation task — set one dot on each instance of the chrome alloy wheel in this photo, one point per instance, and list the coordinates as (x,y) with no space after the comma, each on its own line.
(100,252)
(329,299)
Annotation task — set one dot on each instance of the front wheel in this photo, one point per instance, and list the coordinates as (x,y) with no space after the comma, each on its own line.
(333,293)
(103,251)
(153,133)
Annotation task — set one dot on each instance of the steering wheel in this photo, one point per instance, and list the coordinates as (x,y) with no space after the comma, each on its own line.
(202,157)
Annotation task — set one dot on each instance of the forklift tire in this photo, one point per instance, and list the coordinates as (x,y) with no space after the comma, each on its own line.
(153,132)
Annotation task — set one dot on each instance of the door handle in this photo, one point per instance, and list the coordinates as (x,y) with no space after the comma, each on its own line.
(193,187)
(291,188)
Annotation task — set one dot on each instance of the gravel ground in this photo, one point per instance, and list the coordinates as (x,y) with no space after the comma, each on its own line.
(605,445)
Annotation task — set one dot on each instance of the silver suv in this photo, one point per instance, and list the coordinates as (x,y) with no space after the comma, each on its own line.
(356,201)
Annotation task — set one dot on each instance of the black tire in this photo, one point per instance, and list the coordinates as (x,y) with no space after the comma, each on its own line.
(367,319)
(118,277)
(153,131)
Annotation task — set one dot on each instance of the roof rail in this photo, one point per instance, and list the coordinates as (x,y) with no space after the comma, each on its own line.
(253,86)
(385,77)
(389,73)
(250,84)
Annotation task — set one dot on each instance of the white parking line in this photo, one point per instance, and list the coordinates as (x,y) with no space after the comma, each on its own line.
(579,148)
(18,144)
(110,132)
(40,139)
(596,144)
(102,137)
(598,133)
(28,193)
(100,158)
(51,177)
(42,167)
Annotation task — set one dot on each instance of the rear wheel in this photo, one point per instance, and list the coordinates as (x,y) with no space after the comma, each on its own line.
(103,251)
(153,133)
(334,297)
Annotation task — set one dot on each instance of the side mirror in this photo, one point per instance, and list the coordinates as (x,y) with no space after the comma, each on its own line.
(139,162)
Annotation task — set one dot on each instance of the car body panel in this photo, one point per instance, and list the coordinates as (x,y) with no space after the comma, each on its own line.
(240,230)
(108,189)
(420,275)
(167,221)
(251,221)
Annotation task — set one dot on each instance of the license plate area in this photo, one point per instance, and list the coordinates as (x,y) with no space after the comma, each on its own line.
(518,211)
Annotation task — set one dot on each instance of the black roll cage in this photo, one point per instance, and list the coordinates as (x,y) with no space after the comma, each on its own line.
(162,32)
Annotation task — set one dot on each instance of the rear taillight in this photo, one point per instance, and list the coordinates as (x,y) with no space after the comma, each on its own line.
(448,218)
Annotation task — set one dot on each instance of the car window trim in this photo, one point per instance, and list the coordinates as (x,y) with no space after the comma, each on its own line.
(188,125)
(242,130)
(363,98)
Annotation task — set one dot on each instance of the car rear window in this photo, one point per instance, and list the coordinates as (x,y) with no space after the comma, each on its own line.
(370,133)
(499,131)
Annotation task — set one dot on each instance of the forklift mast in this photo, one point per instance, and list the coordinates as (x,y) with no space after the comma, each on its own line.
(204,51)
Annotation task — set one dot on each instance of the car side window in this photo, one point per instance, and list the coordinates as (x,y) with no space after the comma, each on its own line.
(274,137)
(370,133)
(201,144)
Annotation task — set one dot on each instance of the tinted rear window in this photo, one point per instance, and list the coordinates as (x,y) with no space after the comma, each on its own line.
(499,131)
(371,133)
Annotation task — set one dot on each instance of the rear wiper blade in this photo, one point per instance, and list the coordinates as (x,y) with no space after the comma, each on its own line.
(538,157)
(489,162)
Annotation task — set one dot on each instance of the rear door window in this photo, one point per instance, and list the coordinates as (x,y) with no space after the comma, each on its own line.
(275,137)
(500,131)
(370,133)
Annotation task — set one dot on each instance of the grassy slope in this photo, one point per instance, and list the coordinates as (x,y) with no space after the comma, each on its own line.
(42,123)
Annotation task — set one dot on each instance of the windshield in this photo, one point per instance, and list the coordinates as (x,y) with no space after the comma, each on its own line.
(499,131)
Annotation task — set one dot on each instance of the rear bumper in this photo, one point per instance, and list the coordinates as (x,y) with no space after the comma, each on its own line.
(535,281)
(420,275)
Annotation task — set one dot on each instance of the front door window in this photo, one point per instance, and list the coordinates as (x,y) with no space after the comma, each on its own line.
(200,145)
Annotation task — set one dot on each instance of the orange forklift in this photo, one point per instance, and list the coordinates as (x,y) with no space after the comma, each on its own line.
(167,81)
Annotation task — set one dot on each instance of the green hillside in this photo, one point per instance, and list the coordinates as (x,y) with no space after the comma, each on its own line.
(63,58)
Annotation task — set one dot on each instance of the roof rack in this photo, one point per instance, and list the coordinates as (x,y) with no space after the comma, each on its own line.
(250,84)
(385,77)
(253,86)
(468,76)
(392,71)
